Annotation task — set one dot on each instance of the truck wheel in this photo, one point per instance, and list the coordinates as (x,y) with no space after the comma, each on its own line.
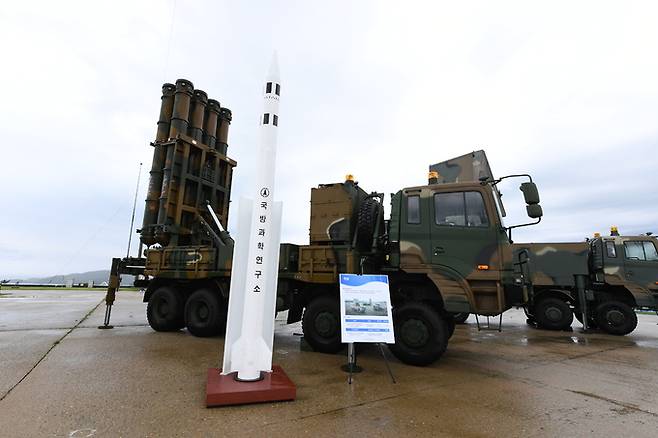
(321,325)
(450,325)
(616,318)
(365,225)
(164,310)
(420,334)
(461,317)
(553,314)
(205,314)
(591,321)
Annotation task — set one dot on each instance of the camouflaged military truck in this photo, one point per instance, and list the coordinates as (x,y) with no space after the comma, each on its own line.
(600,281)
(444,249)
(444,246)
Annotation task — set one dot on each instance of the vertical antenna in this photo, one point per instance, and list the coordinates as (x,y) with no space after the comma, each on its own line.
(132,219)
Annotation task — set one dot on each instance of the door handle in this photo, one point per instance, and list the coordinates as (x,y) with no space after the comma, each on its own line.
(629,273)
(439,250)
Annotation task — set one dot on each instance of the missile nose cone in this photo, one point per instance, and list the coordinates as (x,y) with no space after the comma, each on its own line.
(273,72)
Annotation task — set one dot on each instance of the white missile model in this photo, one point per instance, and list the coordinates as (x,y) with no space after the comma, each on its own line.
(252,300)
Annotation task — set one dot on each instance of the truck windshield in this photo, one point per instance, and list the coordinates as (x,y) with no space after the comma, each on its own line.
(460,209)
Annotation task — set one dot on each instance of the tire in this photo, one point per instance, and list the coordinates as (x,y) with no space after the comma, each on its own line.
(553,314)
(205,313)
(164,310)
(366,224)
(420,334)
(591,320)
(461,317)
(450,326)
(321,324)
(616,318)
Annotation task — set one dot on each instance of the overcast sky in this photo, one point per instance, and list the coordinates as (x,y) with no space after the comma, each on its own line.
(565,91)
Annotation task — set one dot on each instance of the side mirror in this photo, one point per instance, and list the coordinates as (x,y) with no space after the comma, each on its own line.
(530,193)
(531,196)
(534,211)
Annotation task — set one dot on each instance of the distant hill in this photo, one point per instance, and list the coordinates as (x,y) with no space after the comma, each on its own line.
(78,277)
(97,277)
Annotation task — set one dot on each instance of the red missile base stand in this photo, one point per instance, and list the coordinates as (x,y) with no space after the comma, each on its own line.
(224,390)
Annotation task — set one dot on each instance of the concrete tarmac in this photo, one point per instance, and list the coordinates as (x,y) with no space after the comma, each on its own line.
(61,376)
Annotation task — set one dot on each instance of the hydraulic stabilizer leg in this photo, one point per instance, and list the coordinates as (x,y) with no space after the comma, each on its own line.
(115,280)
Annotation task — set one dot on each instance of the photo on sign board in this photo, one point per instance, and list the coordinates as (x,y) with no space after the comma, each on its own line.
(355,307)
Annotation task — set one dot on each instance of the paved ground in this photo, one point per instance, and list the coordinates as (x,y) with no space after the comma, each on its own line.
(61,376)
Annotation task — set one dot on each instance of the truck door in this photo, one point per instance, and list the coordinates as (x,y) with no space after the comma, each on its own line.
(464,238)
(641,263)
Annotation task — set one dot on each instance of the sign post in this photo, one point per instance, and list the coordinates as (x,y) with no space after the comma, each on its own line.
(365,314)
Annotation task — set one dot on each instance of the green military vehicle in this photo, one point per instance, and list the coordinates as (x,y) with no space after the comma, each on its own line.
(444,249)
(615,274)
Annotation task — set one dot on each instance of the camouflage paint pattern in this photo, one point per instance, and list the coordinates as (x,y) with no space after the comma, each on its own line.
(471,167)
(188,262)
(554,264)
(610,274)
(334,210)
(470,265)
(615,267)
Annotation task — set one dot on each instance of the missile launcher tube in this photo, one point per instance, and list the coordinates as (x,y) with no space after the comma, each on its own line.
(181,111)
(155,180)
(210,123)
(179,124)
(166,181)
(197,113)
(166,110)
(225,117)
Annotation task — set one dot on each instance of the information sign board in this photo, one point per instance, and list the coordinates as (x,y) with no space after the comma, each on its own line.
(365,309)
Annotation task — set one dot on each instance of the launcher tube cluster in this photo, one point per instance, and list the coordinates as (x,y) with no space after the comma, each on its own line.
(186,114)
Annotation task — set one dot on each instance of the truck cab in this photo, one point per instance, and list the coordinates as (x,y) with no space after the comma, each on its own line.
(628,265)
(450,232)
(453,234)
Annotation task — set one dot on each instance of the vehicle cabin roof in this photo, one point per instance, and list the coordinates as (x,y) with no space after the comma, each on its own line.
(625,238)
(455,186)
